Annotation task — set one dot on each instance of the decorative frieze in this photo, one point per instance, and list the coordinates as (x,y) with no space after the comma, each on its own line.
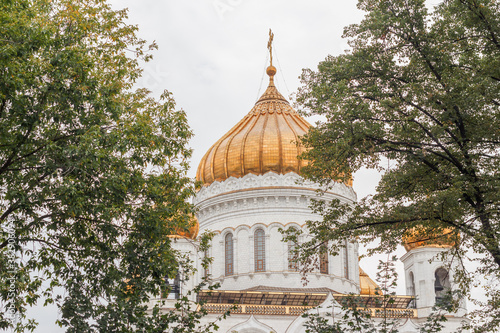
(270,179)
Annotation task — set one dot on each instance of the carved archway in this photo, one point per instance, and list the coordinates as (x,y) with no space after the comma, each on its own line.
(252,325)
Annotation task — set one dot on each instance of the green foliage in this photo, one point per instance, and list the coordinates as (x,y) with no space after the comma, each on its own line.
(354,316)
(92,172)
(447,304)
(319,324)
(420,88)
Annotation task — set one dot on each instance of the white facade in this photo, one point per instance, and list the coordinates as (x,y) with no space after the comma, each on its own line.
(240,206)
(422,267)
(260,193)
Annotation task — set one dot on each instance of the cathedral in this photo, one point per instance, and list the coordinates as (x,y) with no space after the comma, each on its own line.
(252,189)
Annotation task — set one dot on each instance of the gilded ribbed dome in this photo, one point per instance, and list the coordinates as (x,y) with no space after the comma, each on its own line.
(367,285)
(421,237)
(266,139)
(191,233)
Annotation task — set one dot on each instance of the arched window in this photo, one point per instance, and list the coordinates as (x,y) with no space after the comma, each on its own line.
(260,250)
(229,255)
(441,284)
(172,288)
(323,262)
(293,265)
(345,259)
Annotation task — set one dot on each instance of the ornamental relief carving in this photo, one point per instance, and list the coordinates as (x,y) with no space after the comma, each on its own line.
(270,181)
(232,185)
(250,182)
(267,180)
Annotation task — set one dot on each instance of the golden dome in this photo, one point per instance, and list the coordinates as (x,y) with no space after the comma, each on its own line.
(367,285)
(191,233)
(266,139)
(420,237)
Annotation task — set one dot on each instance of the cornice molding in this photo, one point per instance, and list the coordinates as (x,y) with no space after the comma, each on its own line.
(268,180)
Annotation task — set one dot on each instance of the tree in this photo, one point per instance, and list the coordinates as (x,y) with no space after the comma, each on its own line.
(419,87)
(92,171)
(355,316)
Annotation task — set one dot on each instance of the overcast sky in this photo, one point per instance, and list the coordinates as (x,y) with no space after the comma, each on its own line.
(212,53)
(212,56)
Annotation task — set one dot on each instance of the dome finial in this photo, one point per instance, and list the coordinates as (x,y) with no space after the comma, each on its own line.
(270,45)
(271,70)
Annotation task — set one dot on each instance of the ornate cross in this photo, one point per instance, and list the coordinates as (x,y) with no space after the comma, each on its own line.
(270,45)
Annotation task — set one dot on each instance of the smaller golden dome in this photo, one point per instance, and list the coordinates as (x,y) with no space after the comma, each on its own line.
(367,285)
(422,237)
(191,233)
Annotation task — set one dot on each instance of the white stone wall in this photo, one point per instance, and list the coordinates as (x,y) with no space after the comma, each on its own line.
(423,263)
(245,323)
(277,272)
(269,202)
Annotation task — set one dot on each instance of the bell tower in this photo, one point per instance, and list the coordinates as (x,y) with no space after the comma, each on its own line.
(427,275)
